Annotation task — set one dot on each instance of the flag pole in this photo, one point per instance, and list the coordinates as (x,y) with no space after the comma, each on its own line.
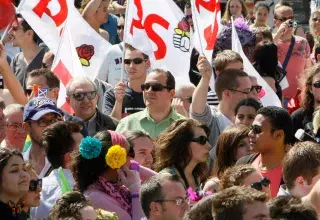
(195,21)
(124,37)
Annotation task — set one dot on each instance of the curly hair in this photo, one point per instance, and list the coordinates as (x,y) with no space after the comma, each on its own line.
(172,146)
(227,145)
(306,97)
(234,176)
(69,206)
(5,155)
(85,171)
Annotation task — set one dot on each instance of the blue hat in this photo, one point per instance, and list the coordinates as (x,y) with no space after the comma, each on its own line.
(38,107)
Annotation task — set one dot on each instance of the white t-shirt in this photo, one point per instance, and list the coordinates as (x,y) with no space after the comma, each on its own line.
(110,71)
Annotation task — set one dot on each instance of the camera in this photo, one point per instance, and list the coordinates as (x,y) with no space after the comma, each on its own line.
(293,24)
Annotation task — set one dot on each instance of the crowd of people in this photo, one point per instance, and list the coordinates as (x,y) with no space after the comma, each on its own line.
(150,147)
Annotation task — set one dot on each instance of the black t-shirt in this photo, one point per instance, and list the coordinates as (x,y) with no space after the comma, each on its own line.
(300,118)
(7,214)
(132,102)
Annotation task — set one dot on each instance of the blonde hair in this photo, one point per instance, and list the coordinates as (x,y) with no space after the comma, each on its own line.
(311,22)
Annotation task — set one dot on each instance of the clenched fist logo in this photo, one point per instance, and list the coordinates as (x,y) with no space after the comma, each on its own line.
(181,37)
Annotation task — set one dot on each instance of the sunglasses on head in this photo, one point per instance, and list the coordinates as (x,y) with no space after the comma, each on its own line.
(257,88)
(316,84)
(200,140)
(120,27)
(258,185)
(34,184)
(81,95)
(137,60)
(155,87)
(256,129)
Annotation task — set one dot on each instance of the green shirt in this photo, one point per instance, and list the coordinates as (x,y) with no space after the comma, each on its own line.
(142,121)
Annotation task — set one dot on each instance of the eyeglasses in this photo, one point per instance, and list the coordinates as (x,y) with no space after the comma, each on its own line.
(316,84)
(45,66)
(14,126)
(243,92)
(155,87)
(258,185)
(257,88)
(316,19)
(283,19)
(120,27)
(34,184)
(179,202)
(189,99)
(200,140)
(137,60)
(256,129)
(45,122)
(188,16)
(81,95)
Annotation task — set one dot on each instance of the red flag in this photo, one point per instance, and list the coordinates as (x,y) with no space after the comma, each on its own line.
(7,13)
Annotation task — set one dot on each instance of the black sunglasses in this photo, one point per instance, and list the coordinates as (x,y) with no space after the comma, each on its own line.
(34,184)
(256,129)
(200,140)
(258,185)
(155,87)
(316,19)
(188,16)
(283,19)
(120,27)
(316,84)
(134,60)
(257,88)
(80,96)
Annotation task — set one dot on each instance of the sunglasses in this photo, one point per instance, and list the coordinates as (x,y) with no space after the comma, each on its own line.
(134,60)
(256,129)
(257,88)
(188,16)
(188,99)
(258,185)
(45,66)
(120,27)
(316,84)
(80,96)
(34,184)
(316,19)
(283,19)
(200,140)
(155,87)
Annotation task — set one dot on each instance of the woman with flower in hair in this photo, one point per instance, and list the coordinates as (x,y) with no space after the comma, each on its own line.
(183,149)
(99,173)
(14,185)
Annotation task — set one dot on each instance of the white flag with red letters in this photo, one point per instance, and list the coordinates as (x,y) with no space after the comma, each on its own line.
(159,29)
(206,17)
(47,18)
(267,96)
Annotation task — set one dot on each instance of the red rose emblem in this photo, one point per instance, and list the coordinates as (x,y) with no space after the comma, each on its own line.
(85,52)
(184,25)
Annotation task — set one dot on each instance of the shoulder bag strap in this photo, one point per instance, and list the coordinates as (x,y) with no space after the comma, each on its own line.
(286,60)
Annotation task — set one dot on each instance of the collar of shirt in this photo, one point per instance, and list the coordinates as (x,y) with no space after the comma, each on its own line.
(47,165)
(145,115)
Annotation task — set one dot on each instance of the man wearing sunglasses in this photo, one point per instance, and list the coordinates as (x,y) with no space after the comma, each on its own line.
(270,133)
(188,14)
(293,51)
(38,114)
(127,97)
(301,169)
(82,96)
(22,35)
(163,197)
(158,92)
(59,140)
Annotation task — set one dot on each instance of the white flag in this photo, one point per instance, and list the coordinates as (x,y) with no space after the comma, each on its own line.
(269,97)
(47,19)
(159,29)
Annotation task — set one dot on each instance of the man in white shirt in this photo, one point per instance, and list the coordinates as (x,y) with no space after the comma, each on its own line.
(38,114)
(59,140)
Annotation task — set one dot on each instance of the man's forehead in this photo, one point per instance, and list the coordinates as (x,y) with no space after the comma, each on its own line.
(81,84)
(261,120)
(155,76)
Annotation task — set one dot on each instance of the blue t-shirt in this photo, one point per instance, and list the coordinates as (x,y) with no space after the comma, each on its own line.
(111,27)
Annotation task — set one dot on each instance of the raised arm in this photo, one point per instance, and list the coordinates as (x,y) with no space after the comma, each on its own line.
(91,8)
(10,80)
(199,98)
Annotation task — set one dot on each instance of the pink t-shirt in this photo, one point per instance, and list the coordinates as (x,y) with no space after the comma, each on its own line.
(296,64)
(274,175)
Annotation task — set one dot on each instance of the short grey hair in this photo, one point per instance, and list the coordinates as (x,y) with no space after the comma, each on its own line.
(179,87)
(13,107)
(79,79)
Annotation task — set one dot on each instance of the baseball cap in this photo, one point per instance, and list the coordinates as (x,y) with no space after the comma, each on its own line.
(38,107)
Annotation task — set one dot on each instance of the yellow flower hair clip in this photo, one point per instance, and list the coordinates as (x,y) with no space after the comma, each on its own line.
(116,157)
